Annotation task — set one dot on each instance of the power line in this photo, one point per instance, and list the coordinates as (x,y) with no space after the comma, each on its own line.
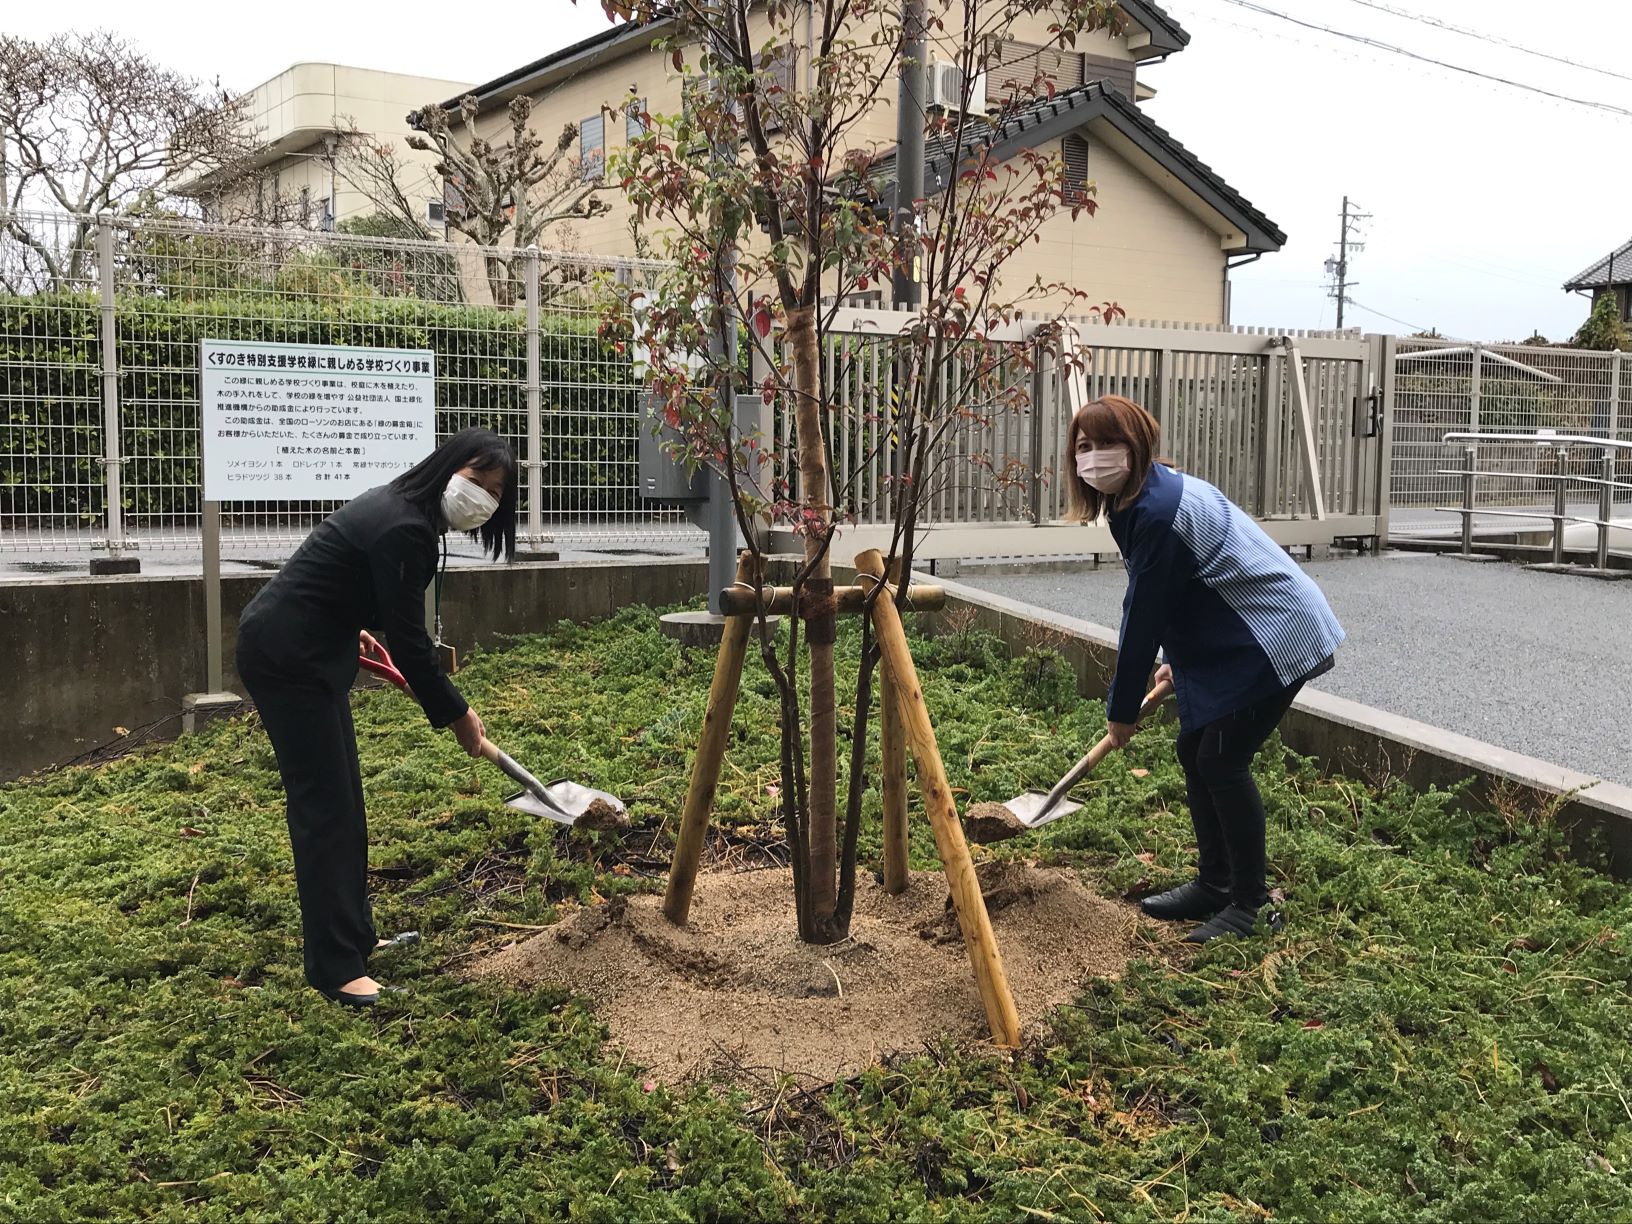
(1389,317)
(1364,40)
(1497,40)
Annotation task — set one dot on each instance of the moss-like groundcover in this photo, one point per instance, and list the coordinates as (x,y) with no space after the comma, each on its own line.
(1440,1032)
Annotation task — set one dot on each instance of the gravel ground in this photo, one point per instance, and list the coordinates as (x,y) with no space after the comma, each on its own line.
(1535,663)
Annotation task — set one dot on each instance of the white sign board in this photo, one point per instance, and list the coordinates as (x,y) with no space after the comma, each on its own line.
(312,422)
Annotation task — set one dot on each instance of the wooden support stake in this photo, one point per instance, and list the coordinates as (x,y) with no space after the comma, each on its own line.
(967,902)
(893,750)
(848,600)
(705,769)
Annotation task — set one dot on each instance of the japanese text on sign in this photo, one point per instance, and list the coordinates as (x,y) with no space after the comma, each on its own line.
(312,422)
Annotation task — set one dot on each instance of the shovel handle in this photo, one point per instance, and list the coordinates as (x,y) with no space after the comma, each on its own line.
(514,771)
(383,666)
(1099,752)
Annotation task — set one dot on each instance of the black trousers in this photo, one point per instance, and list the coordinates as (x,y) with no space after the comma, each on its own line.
(1225,806)
(316,745)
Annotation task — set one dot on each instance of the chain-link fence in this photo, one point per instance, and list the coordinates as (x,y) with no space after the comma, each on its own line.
(100,324)
(1446,386)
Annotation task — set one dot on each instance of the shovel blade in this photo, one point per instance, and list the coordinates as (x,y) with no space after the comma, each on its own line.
(526,801)
(1028,808)
(574,799)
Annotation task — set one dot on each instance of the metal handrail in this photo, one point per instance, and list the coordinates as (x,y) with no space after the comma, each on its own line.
(1594,481)
(1540,439)
(1560,445)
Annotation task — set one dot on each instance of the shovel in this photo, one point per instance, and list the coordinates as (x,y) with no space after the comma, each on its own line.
(562,801)
(1035,808)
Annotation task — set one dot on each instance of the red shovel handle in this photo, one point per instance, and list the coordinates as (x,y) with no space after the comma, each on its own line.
(383,666)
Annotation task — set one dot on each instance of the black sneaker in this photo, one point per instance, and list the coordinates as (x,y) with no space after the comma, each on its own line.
(1192,901)
(1235,920)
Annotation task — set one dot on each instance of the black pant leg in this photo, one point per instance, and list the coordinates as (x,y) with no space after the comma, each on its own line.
(1224,756)
(1212,851)
(316,746)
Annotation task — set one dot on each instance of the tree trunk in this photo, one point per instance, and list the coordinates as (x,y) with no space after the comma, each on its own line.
(818,613)
(499,282)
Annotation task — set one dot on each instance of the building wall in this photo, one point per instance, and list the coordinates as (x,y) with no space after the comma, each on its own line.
(1154,255)
(1141,249)
(293,110)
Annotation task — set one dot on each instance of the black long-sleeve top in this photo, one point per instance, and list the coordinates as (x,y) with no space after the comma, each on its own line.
(364,567)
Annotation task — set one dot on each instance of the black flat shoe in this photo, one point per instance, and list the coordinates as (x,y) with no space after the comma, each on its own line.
(1236,920)
(347,998)
(1192,901)
(404,940)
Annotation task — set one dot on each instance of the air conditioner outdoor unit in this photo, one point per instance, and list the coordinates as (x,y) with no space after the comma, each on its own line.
(943,87)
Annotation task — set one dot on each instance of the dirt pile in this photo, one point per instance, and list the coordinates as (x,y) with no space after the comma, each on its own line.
(736,994)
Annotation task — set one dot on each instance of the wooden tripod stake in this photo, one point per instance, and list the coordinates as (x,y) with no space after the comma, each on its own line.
(904,725)
(969,905)
(893,749)
(705,769)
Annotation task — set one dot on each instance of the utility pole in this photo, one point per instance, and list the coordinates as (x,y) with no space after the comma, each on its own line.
(909,151)
(1338,269)
(909,187)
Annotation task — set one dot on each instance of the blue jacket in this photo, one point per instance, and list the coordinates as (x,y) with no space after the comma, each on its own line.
(1234,615)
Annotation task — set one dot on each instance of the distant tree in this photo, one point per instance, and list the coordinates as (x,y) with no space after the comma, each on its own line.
(504,195)
(1604,329)
(89,124)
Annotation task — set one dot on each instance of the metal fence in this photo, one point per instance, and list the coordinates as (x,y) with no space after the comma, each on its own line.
(100,323)
(1231,404)
(1446,386)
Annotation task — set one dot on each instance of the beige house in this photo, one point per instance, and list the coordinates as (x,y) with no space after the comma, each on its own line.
(1168,227)
(298,176)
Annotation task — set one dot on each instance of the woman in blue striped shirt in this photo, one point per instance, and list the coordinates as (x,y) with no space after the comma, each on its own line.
(1241,627)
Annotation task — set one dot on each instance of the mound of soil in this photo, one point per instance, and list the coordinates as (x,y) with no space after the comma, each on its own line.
(985,823)
(736,994)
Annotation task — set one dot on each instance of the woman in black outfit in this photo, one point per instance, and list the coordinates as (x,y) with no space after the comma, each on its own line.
(366,565)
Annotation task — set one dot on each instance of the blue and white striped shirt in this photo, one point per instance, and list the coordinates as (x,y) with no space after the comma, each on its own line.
(1235,616)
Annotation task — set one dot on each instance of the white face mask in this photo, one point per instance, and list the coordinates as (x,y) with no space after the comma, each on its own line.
(1105,468)
(466,505)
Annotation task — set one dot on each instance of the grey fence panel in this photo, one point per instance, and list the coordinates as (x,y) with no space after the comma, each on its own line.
(165,284)
(1444,386)
(1223,399)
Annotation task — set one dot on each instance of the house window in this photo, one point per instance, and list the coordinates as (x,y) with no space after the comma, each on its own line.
(1023,71)
(592,146)
(436,212)
(633,127)
(1075,151)
(1114,73)
(454,205)
(778,84)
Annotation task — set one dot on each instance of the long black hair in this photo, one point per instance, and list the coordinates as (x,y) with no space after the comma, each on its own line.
(477,448)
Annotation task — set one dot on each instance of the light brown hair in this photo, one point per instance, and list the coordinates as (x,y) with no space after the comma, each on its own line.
(1111,420)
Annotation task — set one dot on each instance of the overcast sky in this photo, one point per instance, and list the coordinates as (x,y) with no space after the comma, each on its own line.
(1484,198)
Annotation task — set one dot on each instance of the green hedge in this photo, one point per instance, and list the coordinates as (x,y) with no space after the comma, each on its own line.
(50,392)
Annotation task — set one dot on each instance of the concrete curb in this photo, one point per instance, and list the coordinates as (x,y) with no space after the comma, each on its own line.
(85,654)
(1345,737)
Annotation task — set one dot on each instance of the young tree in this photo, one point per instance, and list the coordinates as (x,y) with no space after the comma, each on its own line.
(503,195)
(764,184)
(1604,329)
(88,124)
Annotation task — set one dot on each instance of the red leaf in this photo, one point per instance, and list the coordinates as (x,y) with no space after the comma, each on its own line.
(1314,1024)
(679,60)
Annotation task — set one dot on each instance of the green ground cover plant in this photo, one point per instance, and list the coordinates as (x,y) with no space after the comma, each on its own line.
(1439,1033)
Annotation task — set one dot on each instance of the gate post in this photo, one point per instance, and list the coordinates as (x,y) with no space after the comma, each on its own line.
(113,462)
